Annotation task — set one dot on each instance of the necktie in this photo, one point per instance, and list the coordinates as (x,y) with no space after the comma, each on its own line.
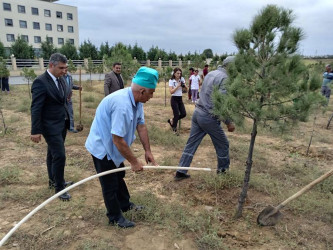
(61,91)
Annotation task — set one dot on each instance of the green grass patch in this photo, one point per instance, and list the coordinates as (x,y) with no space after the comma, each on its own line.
(9,175)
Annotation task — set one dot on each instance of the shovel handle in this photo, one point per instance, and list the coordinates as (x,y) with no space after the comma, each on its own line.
(305,189)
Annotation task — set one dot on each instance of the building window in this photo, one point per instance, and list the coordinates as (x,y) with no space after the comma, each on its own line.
(60,41)
(21,9)
(48,26)
(34,11)
(37,39)
(49,39)
(36,25)
(59,14)
(71,41)
(9,22)
(10,38)
(25,38)
(7,6)
(47,13)
(70,29)
(23,24)
(69,16)
(60,28)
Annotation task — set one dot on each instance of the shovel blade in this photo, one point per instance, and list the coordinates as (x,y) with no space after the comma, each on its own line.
(269,216)
(79,127)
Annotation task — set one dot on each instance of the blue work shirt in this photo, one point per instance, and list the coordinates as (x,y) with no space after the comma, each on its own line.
(117,114)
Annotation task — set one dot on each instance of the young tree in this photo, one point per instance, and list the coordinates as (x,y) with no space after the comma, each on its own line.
(2,50)
(69,50)
(21,49)
(88,50)
(30,75)
(138,53)
(268,83)
(71,66)
(104,50)
(47,48)
(121,54)
(90,68)
(208,53)
(4,72)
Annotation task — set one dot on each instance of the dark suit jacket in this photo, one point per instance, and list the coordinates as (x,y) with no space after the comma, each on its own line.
(111,83)
(48,106)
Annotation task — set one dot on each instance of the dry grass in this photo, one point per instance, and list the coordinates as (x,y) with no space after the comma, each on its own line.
(193,214)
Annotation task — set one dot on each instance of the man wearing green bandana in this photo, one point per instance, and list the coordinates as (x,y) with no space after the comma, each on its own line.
(112,132)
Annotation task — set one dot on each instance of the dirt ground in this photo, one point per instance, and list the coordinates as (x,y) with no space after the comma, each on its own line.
(82,224)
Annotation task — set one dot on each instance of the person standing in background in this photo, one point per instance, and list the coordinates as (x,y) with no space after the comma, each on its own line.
(176,83)
(204,72)
(195,84)
(113,81)
(69,92)
(189,83)
(327,79)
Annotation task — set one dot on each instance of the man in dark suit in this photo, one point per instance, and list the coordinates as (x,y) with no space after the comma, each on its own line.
(113,81)
(50,118)
(69,87)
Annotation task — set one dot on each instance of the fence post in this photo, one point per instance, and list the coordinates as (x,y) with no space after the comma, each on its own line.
(85,62)
(189,62)
(41,63)
(170,63)
(180,63)
(159,63)
(13,59)
(135,60)
(148,62)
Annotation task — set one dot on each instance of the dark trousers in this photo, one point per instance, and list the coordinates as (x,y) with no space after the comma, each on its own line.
(56,158)
(114,189)
(178,109)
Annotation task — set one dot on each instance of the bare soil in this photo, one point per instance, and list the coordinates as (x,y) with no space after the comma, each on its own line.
(82,224)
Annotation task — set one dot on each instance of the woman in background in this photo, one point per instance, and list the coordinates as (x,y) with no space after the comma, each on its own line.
(176,85)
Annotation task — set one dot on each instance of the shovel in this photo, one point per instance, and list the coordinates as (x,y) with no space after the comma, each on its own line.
(79,127)
(271,215)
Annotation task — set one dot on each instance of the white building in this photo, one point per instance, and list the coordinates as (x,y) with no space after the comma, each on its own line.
(34,20)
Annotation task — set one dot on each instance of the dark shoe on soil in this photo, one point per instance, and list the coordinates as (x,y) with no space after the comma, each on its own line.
(170,122)
(122,222)
(66,184)
(222,171)
(181,176)
(73,130)
(65,196)
(136,208)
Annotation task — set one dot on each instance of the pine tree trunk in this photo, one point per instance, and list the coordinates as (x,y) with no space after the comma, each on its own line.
(243,194)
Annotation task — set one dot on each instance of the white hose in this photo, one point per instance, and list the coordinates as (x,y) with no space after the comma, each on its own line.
(81,182)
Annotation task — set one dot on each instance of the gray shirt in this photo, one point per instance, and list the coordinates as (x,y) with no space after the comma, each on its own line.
(213,78)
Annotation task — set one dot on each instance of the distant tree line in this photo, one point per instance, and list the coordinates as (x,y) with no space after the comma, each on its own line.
(22,50)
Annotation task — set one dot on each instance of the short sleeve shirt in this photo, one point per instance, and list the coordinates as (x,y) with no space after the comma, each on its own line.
(195,81)
(173,83)
(117,114)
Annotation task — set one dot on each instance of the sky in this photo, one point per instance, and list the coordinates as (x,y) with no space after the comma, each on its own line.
(183,26)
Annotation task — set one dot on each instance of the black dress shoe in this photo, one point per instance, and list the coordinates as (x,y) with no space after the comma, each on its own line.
(181,176)
(122,222)
(65,196)
(132,206)
(66,184)
(221,171)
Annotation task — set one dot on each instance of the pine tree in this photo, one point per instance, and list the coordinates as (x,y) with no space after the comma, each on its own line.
(268,82)
(48,48)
